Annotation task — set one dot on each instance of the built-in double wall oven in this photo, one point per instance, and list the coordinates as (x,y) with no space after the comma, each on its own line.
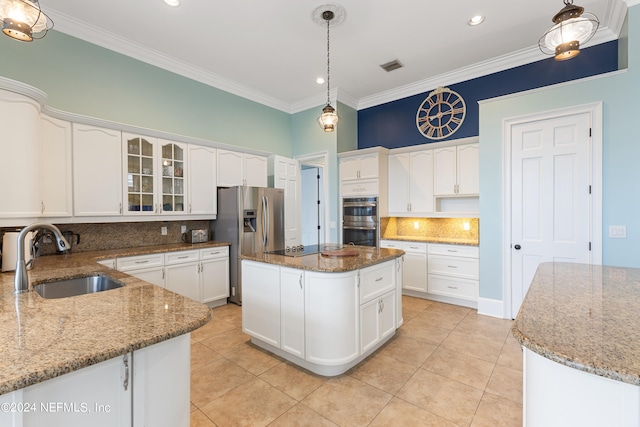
(360,221)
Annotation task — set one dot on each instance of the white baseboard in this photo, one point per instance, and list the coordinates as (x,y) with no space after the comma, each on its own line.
(491,307)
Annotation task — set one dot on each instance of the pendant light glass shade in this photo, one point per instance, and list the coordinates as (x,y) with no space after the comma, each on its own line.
(572,29)
(329,119)
(24,20)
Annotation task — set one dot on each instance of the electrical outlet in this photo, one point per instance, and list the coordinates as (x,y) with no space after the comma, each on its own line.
(183,229)
(163,231)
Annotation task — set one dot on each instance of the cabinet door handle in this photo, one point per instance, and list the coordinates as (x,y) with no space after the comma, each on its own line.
(183,257)
(120,208)
(452,287)
(125,360)
(142,262)
(378,279)
(300,280)
(42,207)
(452,266)
(163,274)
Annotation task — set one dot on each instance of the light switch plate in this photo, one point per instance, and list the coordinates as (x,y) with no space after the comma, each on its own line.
(183,228)
(618,231)
(163,231)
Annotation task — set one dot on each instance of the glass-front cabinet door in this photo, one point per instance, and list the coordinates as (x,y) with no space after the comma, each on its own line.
(140,175)
(172,165)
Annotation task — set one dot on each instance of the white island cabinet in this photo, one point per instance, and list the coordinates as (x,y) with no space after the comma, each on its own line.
(148,387)
(318,319)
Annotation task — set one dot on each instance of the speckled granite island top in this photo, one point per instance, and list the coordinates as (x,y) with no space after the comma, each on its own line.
(366,256)
(586,317)
(45,338)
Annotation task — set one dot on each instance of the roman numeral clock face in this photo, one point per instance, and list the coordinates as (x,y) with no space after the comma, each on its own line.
(441,114)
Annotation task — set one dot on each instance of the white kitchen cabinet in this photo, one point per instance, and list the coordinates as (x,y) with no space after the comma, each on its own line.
(415,266)
(154,178)
(331,317)
(161,384)
(182,273)
(149,387)
(454,271)
(20,190)
(97,177)
(457,170)
(235,168)
(153,275)
(292,311)
(56,188)
(214,274)
(109,262)
(173,168)
(364,173)
(377,304)
(411,179)
(399,273)
(261,301)
(202,180)
(286,175)
(377,320)
(98,395)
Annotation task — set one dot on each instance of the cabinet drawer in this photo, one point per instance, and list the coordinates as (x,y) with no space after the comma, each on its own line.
(393,244)
(418,248)
(465,268)
(139,261)
(376,280)
(181,257)
(360,187)
(454,250)
(457,288)
(217,252)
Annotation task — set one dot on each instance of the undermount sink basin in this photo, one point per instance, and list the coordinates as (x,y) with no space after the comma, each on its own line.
(76,286)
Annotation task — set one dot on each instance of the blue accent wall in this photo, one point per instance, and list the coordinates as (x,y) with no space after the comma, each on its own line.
(393,124)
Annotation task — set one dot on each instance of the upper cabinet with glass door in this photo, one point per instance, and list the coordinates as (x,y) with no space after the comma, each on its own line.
(140,175)
(173,157)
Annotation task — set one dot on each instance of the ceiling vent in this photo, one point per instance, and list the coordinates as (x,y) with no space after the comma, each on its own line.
(392,65)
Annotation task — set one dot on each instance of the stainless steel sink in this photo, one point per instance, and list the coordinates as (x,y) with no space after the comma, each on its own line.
(76,286)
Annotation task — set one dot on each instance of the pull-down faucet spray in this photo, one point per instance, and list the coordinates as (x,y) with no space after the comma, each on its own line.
(22,278)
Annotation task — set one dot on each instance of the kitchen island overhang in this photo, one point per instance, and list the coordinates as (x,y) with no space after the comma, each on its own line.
(325,314)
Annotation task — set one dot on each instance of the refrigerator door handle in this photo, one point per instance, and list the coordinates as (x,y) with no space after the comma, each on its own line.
(267,214)
(263,221)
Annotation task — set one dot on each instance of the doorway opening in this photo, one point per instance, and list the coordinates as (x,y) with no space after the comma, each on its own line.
(313,199)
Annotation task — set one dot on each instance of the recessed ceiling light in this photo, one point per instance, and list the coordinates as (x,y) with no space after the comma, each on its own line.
(476,20)
(320,80)
(172,3)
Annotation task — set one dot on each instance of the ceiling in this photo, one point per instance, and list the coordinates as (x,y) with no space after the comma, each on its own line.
(272,51)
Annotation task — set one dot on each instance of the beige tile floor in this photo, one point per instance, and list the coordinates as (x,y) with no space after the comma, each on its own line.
(446,366)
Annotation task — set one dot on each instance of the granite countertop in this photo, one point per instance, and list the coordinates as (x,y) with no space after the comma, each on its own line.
(367,256)
(445,240)
(46,338)
(585,317)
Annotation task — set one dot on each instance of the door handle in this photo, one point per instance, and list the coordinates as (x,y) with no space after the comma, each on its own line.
(517,247)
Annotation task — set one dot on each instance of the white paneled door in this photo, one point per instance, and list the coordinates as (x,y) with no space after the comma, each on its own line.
(550,196)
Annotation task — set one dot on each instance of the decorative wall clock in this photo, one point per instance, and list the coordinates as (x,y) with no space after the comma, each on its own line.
(441,114)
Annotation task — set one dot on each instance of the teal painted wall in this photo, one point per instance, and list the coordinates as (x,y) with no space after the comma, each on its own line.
(619,94)
(347,128)
(83,78)
(308,138)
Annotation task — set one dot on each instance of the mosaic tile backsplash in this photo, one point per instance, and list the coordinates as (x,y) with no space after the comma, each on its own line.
(105,236)
(453,228)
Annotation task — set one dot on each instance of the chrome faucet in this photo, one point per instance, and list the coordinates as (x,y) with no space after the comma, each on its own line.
(22,279)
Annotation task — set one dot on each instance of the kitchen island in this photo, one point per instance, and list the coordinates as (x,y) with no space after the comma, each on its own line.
(112,358)
(323,313)
(580,332)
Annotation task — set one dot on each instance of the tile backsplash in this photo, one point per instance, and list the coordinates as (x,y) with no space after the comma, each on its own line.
(453,228)
(104,236)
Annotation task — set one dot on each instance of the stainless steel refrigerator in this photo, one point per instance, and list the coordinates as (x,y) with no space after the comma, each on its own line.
(252,220)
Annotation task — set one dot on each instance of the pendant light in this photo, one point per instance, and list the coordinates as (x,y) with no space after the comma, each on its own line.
(24,20)
(328,119)
(572,28)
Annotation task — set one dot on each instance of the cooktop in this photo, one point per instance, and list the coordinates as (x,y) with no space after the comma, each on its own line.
(297,251)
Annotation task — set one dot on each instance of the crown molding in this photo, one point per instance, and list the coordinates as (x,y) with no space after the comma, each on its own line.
(107,40)
(631,2)
(494,65)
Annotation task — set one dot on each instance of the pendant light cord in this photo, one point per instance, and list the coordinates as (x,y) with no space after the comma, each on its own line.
(328,66)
